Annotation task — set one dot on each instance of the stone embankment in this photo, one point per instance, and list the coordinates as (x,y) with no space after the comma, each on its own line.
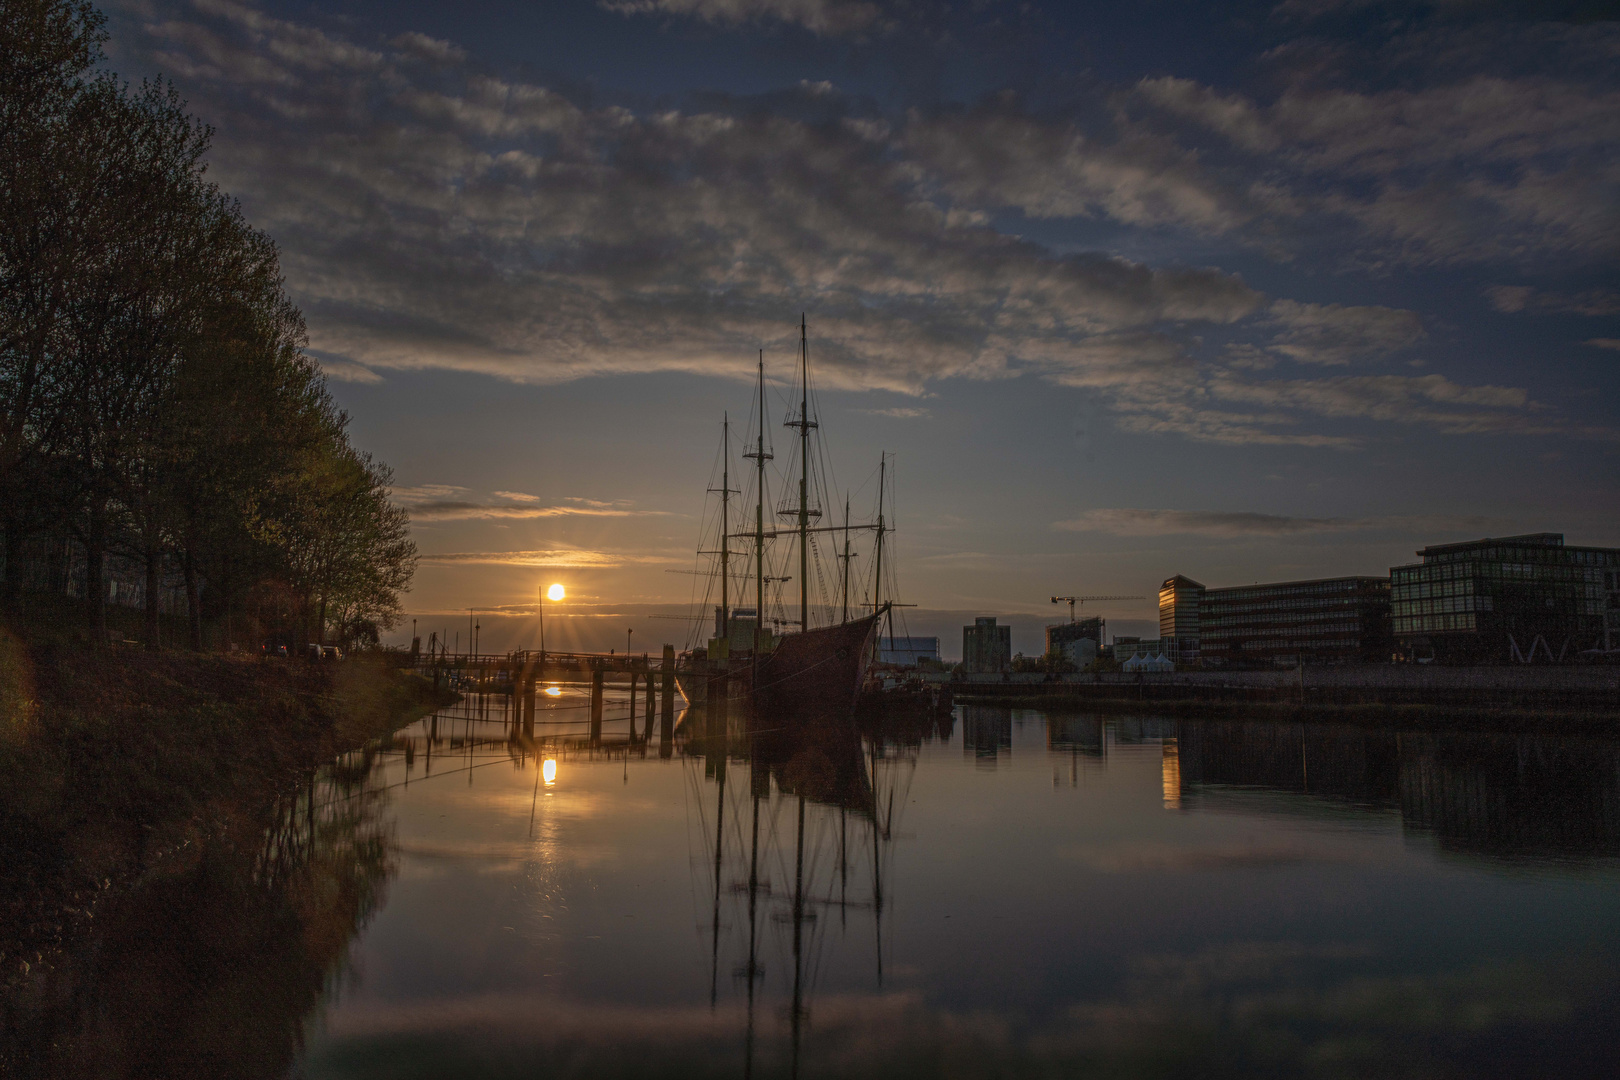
(1406,690)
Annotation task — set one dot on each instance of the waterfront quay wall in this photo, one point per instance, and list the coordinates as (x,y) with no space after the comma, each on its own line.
(1518,689)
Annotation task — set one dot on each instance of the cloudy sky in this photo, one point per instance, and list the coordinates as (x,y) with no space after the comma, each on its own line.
(1247,292)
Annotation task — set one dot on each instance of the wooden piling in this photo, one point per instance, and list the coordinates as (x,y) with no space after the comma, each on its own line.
(666,719)
(529,681)
(652,698)
(632,704)
(596,705)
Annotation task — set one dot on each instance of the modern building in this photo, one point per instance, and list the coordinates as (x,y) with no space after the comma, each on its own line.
(1517,599)
(1180,603)
(986,647)
(1125,647)
(1133,650)
(1077,642)
(1328,621)
(907,651)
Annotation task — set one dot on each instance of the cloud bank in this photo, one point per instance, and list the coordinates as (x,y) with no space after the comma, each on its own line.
(1233,524)
(435,215)
(447,502)
(830,17)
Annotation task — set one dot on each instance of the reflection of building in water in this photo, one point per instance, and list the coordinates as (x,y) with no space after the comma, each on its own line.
(1083,738)
(986,731)
(1320,759)
(1511,796)
(1500,795)
(1170,773)
(1138,730)
(1081,733)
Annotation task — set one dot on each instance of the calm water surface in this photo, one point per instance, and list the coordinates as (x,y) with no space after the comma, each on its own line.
(1004,892)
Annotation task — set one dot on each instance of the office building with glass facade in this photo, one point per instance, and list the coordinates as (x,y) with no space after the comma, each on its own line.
(1181,602)
(1329,621)
(1517,599)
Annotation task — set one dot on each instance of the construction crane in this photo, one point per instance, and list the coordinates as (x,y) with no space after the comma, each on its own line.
(1073,600)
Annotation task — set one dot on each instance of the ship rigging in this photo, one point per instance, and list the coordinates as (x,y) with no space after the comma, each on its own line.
(790,655)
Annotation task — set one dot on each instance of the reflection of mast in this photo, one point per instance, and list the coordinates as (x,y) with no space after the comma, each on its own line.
(877,871)
(798,937)
(753,939)
(719,849)
(852,787)
(843,869)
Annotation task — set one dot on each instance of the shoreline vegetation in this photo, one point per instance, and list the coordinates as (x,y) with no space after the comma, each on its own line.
(125,769)
(174,476)
(167,445)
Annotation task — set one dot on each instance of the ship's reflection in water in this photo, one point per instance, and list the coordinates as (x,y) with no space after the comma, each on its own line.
(990,893)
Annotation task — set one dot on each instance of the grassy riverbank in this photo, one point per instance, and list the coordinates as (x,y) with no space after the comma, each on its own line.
(112,759)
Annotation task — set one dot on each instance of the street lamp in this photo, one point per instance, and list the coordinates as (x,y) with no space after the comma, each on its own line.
(628,634)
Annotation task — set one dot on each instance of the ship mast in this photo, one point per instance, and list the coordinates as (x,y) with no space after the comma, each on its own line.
(846,558)
(877,582)
(725,528)
(804,424)
(760,457)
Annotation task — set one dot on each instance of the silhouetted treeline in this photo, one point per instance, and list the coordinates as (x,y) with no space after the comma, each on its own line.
(157,413)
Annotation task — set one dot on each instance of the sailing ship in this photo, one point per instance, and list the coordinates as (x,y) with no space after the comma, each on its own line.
(807,671)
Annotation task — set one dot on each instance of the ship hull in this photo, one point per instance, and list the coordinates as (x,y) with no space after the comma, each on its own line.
(815,673)
(819,671)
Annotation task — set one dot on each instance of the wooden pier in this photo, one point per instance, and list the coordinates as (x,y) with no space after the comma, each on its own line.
(520,674)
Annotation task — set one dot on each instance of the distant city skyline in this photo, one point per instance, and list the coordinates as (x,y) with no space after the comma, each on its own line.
(1255,293)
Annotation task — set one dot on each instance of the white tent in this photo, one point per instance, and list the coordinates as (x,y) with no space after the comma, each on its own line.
(1148,662)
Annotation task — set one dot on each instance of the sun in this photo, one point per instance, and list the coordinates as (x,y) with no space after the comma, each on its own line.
(555,593)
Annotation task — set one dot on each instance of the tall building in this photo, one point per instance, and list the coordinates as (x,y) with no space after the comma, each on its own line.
(986,646)
(1077,642)
(1514,599)
(1333,620)
(1180,603)
(907,651)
